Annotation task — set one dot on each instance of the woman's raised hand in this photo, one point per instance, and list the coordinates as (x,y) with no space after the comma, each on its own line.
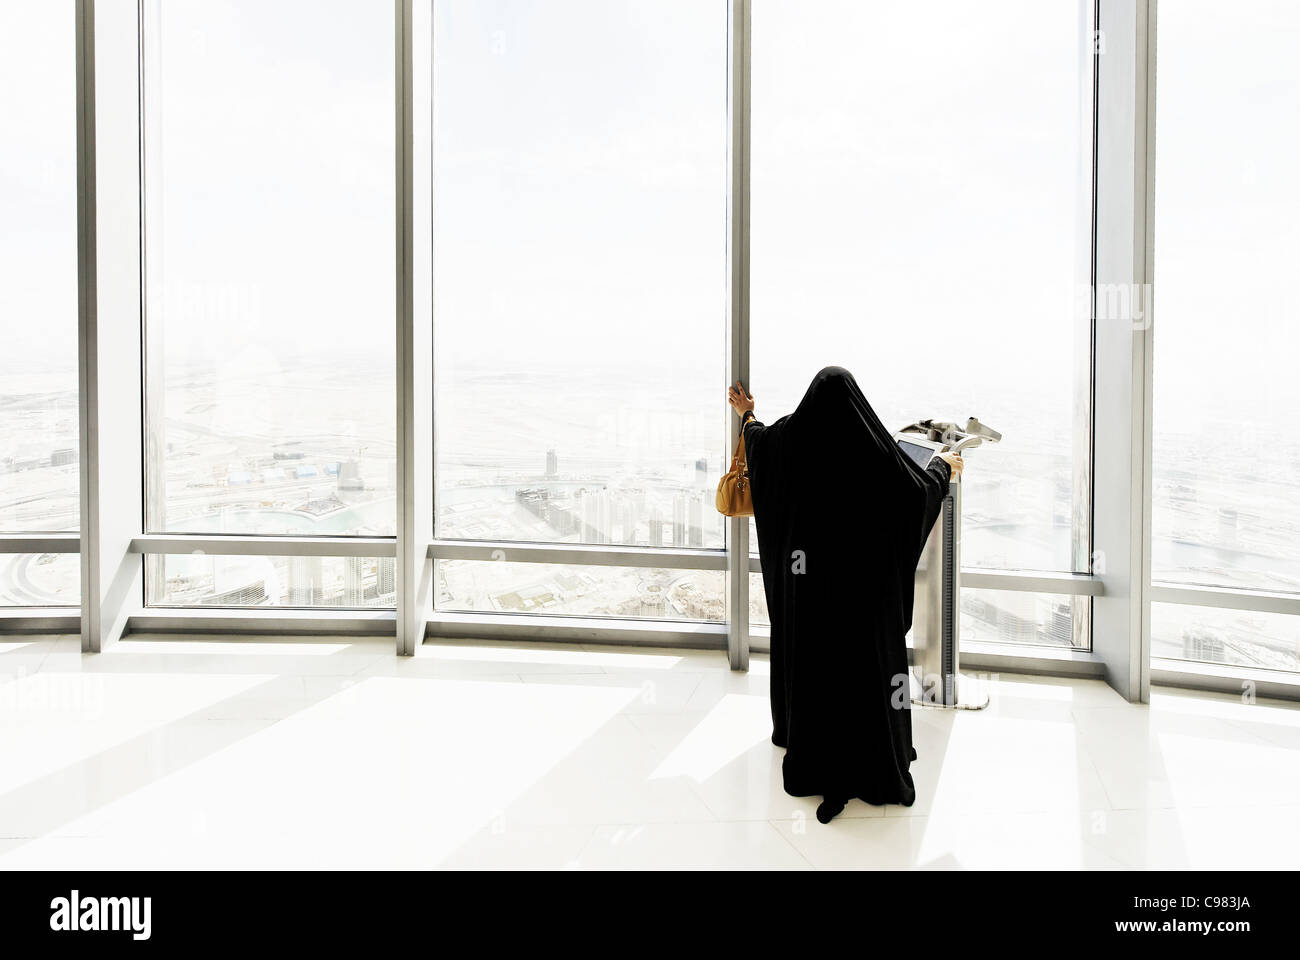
(739,399)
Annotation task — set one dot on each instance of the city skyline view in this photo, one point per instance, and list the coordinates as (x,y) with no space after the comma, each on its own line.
(580,293)
(485,504)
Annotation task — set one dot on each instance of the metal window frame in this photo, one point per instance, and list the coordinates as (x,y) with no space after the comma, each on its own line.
(1224,598)
(1218,678)
(44,619)
(40,543)
(110,307)
(1121,350)
(86,301)
(414,572)
(1083,496)
(1115,520)
(1186,673)
(739,49)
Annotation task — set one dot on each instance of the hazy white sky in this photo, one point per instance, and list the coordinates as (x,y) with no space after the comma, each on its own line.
(1227,213)
(914,183)
(580,195)
(38,202)
(272,145)
(916,204)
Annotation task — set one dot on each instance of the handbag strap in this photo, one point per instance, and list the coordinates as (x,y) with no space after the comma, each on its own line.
(739,462)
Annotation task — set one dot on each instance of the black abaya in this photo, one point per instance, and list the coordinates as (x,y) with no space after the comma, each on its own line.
(842,516)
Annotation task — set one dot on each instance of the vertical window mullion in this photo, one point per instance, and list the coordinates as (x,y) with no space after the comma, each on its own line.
(738,115)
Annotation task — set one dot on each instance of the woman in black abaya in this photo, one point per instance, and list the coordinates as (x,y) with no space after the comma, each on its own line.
(842,516)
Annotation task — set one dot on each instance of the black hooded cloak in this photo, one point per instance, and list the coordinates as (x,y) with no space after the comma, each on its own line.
(842,516)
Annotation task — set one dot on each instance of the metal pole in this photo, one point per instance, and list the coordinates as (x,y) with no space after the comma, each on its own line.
(407,561)
(738,74)
(86,310)
(413,570)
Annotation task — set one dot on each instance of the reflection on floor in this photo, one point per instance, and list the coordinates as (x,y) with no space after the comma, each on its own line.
(335,753)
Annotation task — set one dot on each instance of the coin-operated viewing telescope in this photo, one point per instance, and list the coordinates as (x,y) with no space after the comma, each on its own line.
(936,609)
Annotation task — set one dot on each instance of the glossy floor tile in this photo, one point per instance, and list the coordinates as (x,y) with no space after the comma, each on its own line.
(328,752)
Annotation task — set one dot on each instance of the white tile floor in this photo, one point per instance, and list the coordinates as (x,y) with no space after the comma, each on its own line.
(335,753)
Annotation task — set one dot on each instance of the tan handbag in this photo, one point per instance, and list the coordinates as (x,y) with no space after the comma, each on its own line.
(734,498)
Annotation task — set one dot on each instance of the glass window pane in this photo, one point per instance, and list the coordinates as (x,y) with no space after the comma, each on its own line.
(920,216)
(579,258)
(40,579)
(758,614)
(202,580)
(580,591)
(38,272)
(270,224)
(987,616)
(1239,638)
(1009,616)
(1225,511)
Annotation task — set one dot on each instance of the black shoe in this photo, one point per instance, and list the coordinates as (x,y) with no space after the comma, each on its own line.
(829,809)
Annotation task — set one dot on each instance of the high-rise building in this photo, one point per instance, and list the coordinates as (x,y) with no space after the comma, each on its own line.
(350,476)
(1202,643)
(386,576)
(306,581)
(561,518)
(597,510)
(605,517)
(679,519)
(354,588)
(1062,624)
(627,521)
(590,518)
(695,518)
(656,527)
(552,463)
